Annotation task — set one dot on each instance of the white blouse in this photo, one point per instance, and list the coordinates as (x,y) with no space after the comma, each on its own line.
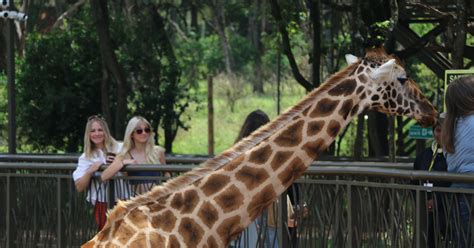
(97,190)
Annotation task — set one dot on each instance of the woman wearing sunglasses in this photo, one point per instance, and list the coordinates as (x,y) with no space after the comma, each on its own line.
(97,143)
(138,148)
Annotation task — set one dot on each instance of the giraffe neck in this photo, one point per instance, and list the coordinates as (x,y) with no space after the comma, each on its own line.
(256,178)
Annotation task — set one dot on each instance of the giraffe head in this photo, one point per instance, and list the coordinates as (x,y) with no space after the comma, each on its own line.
(389,89)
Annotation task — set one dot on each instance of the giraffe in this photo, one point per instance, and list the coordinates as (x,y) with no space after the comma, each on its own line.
(210,205)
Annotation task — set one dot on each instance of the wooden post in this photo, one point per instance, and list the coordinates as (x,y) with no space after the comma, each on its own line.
(210,118)
(11,109)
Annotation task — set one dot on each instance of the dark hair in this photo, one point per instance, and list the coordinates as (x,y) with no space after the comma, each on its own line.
(253,121)
(459,102)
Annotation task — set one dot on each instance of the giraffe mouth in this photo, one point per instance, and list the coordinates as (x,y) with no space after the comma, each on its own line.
(427,121)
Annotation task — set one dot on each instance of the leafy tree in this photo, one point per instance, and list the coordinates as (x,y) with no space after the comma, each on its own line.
(58,87)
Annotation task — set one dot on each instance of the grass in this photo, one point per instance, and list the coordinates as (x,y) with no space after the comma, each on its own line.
(226,123)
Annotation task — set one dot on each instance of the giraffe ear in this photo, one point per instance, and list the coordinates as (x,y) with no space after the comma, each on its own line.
(351,59)
(384,70)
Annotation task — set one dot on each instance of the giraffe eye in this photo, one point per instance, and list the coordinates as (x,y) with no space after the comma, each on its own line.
(402,80)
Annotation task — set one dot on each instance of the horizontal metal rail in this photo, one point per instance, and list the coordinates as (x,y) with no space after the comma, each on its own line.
(337,204)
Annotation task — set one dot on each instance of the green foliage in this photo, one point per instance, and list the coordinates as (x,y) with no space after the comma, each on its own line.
(58,82)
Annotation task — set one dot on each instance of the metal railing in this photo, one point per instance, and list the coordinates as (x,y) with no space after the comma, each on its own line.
(335,206)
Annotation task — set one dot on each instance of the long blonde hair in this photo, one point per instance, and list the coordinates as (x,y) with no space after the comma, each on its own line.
(110,144)
(152,154)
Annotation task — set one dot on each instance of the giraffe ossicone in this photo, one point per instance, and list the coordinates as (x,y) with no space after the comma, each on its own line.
(210,205)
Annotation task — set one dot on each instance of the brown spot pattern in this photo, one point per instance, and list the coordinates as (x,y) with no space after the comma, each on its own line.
(355,109)
(314,148)
(139,241)
(191,199)
(156,240)
(345,88)
(173,242)
(122,232)
(295,169)
(333,128)
(324,108)
(305,112)
(359,89)
(261,201)
(232,165)
(251,177)
(177,201)
(229,229)
(291,136)
(190,231)
(211,242)
(164,221)
(362,78)
(208,214)
(214,184)
(138,218)
(346,108)
(230,200)
(261,155)
(280,158)
(314,127)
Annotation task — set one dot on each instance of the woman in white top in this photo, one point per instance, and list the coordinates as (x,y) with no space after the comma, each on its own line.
(97,143)
(138,148)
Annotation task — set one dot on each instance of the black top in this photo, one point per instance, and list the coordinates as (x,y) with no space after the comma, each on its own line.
(423,162)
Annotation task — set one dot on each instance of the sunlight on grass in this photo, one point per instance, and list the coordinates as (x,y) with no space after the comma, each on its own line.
(226,123)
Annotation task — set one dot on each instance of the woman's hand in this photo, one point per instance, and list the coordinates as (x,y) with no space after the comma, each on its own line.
(83,182)
(94,167)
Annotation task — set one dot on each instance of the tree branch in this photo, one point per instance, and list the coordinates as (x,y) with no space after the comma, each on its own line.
(71,11)
(287,48)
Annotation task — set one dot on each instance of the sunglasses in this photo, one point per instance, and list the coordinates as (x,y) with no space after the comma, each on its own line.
(140,131)
(94,117)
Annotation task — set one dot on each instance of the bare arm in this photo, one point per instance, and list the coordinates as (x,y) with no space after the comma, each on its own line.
(83,182)
(115,167)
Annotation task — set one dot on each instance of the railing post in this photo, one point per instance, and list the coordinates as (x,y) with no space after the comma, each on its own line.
(349,216)
(8,232)
(284,240)
(110,193)
(417,219)
(60,231)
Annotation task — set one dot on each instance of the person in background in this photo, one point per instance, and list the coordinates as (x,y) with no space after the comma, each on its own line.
(97,144)
(250,236)
(138,148)
(432,159)
(457,138)
(253,121)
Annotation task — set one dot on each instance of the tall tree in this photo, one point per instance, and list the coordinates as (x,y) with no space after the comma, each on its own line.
(107,52)
(255,39)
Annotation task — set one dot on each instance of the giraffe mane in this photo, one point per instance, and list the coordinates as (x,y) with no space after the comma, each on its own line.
(175,184)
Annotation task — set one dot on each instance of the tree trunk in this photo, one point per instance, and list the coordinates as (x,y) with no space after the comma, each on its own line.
(254,37)
(460,35)
(100,13)
(315,15)
(378,131)
(170,119)
(356,48)
(286,46)
(219,25)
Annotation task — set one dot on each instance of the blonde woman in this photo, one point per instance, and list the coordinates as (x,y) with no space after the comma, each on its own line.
(138,148)
(97,144)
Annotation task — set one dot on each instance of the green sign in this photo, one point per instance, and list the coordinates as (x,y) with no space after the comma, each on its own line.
(418,132)
(451,75)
